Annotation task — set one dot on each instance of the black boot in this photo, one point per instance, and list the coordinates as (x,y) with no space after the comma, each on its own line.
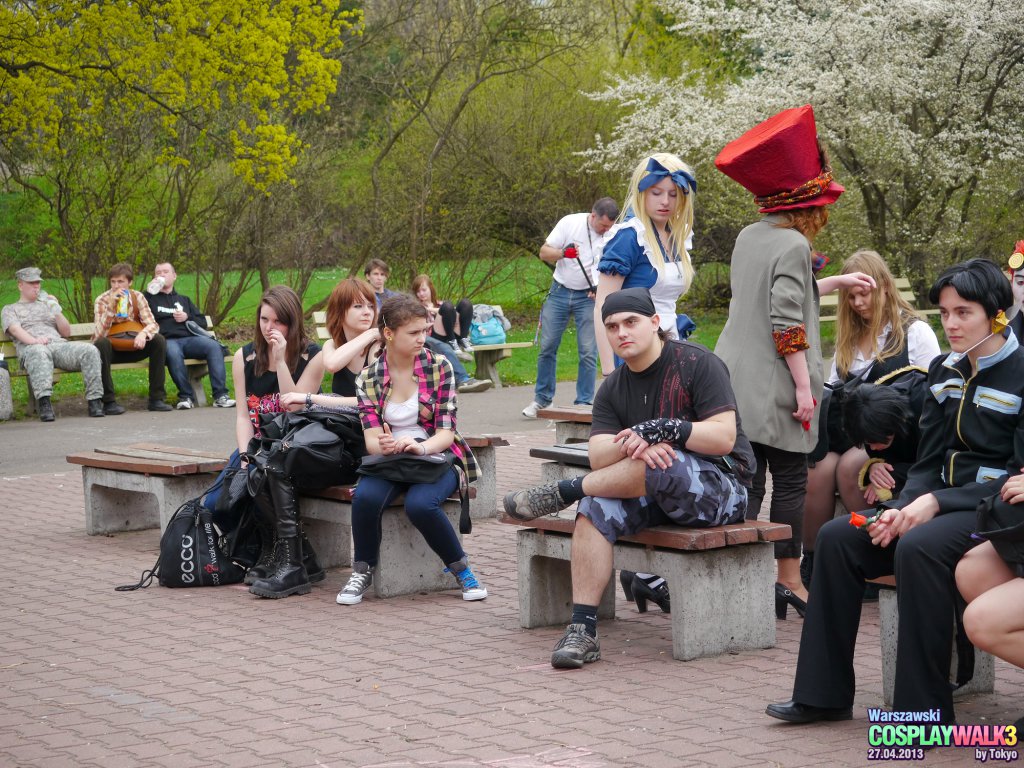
(806,568)
(289,576)
(45,409)
(266,520)
(313,568)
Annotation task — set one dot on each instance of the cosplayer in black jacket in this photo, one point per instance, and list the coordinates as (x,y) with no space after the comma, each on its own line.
(969,426)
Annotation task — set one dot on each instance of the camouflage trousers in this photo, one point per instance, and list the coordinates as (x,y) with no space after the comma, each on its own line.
(39,360)
(694,491)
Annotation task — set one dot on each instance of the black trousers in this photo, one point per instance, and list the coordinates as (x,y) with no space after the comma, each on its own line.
(448,312)
(789,489)
(923,561)
(155,350)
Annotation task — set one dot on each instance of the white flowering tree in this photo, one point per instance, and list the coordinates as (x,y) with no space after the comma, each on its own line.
(919,102)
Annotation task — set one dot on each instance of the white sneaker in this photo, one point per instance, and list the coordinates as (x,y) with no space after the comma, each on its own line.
(223,402)
(358,583)
(530,411)
(185,404)
(466,345)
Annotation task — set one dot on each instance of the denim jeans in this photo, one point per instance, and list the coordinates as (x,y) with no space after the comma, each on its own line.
(422,505)
(196,347)
(560,304)
(439,347)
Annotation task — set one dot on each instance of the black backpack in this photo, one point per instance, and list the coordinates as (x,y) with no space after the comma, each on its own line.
(190,553)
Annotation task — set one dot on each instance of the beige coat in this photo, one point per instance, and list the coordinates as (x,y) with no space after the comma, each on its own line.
(772,289)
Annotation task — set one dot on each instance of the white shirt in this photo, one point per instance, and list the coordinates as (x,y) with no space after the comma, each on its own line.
(575,228)
(922,348)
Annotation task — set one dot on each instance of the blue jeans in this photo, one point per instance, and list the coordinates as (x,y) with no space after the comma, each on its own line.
(422,505)
(560,304)
(439,347)
(196,347)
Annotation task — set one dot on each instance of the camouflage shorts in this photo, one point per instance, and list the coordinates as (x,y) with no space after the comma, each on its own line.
(693,491)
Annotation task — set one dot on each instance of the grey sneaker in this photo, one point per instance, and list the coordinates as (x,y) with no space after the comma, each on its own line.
(530,503)
(475,385)
(223,402)
(185,404)
(530,411)
(358,583)
(466,345)
(575,649)
(471,588)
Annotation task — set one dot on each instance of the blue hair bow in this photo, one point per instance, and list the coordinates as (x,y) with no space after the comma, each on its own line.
(656,172)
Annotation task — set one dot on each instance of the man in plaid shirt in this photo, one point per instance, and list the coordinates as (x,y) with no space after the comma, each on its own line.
(118,305)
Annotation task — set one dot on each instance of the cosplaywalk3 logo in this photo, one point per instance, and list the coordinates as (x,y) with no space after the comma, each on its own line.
(909,735)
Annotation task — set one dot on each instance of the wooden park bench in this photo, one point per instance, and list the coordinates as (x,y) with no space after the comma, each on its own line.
(197,369)
(486,356)
(721,580)
(830,302)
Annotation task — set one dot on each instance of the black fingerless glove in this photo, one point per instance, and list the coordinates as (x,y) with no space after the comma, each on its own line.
(673,431)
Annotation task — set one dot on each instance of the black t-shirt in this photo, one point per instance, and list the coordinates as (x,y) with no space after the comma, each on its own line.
(164,305)
(687,381)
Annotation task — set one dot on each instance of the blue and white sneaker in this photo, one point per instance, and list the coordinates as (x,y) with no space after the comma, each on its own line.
(471,588)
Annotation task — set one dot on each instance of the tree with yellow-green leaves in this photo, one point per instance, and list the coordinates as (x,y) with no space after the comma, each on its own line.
(131,119)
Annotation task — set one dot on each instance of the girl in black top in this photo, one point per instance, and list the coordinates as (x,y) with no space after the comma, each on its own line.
(279,360)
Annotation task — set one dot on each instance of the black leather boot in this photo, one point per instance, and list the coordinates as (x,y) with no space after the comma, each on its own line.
(266,520)
(313,568)
(289,576)
(45,409)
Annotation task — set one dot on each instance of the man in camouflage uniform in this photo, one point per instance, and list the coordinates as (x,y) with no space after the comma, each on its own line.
(40,331)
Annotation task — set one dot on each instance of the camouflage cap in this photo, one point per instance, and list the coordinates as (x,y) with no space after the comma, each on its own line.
(29,275)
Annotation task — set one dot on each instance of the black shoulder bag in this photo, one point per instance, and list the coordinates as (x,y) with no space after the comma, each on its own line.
(314,449)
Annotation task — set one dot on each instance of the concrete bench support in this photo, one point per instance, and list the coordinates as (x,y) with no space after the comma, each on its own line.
(889,620)
(125,501)
(406,564)
(721,598)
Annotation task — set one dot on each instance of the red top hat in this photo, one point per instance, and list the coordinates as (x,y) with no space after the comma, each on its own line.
(781,162)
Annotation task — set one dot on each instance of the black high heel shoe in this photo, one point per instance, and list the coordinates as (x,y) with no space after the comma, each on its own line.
(642,592)
(626,580)
(784,598)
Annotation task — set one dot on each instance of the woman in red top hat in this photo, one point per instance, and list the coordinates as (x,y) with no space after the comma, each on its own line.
(770,342)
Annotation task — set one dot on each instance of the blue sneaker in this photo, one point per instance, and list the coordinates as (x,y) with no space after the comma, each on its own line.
(471,588)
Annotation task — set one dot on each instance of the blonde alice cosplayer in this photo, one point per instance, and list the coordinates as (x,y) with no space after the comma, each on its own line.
(681,222)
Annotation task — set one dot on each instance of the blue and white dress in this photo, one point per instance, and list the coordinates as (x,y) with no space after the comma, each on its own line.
(626,253)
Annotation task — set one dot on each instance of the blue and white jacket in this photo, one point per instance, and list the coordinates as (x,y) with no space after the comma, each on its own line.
(972,430)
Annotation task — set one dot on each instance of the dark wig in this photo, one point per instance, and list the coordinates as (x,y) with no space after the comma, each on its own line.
(977,280)
(872,413)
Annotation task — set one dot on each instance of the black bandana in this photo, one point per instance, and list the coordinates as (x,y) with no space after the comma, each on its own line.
(636,300)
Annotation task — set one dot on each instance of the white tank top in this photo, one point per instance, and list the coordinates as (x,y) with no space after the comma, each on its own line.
(403,418)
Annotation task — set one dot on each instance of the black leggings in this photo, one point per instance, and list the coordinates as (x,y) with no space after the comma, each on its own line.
(448,312)
(789,487)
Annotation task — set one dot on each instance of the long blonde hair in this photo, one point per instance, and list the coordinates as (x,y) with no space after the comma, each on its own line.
(887,308)
(681,223)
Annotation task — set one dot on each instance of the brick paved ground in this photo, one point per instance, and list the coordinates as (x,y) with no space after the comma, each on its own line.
(216,677)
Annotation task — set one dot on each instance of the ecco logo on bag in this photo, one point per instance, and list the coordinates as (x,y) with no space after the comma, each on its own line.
(188,567)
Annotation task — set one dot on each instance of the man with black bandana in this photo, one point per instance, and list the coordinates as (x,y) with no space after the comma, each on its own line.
(667,447)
